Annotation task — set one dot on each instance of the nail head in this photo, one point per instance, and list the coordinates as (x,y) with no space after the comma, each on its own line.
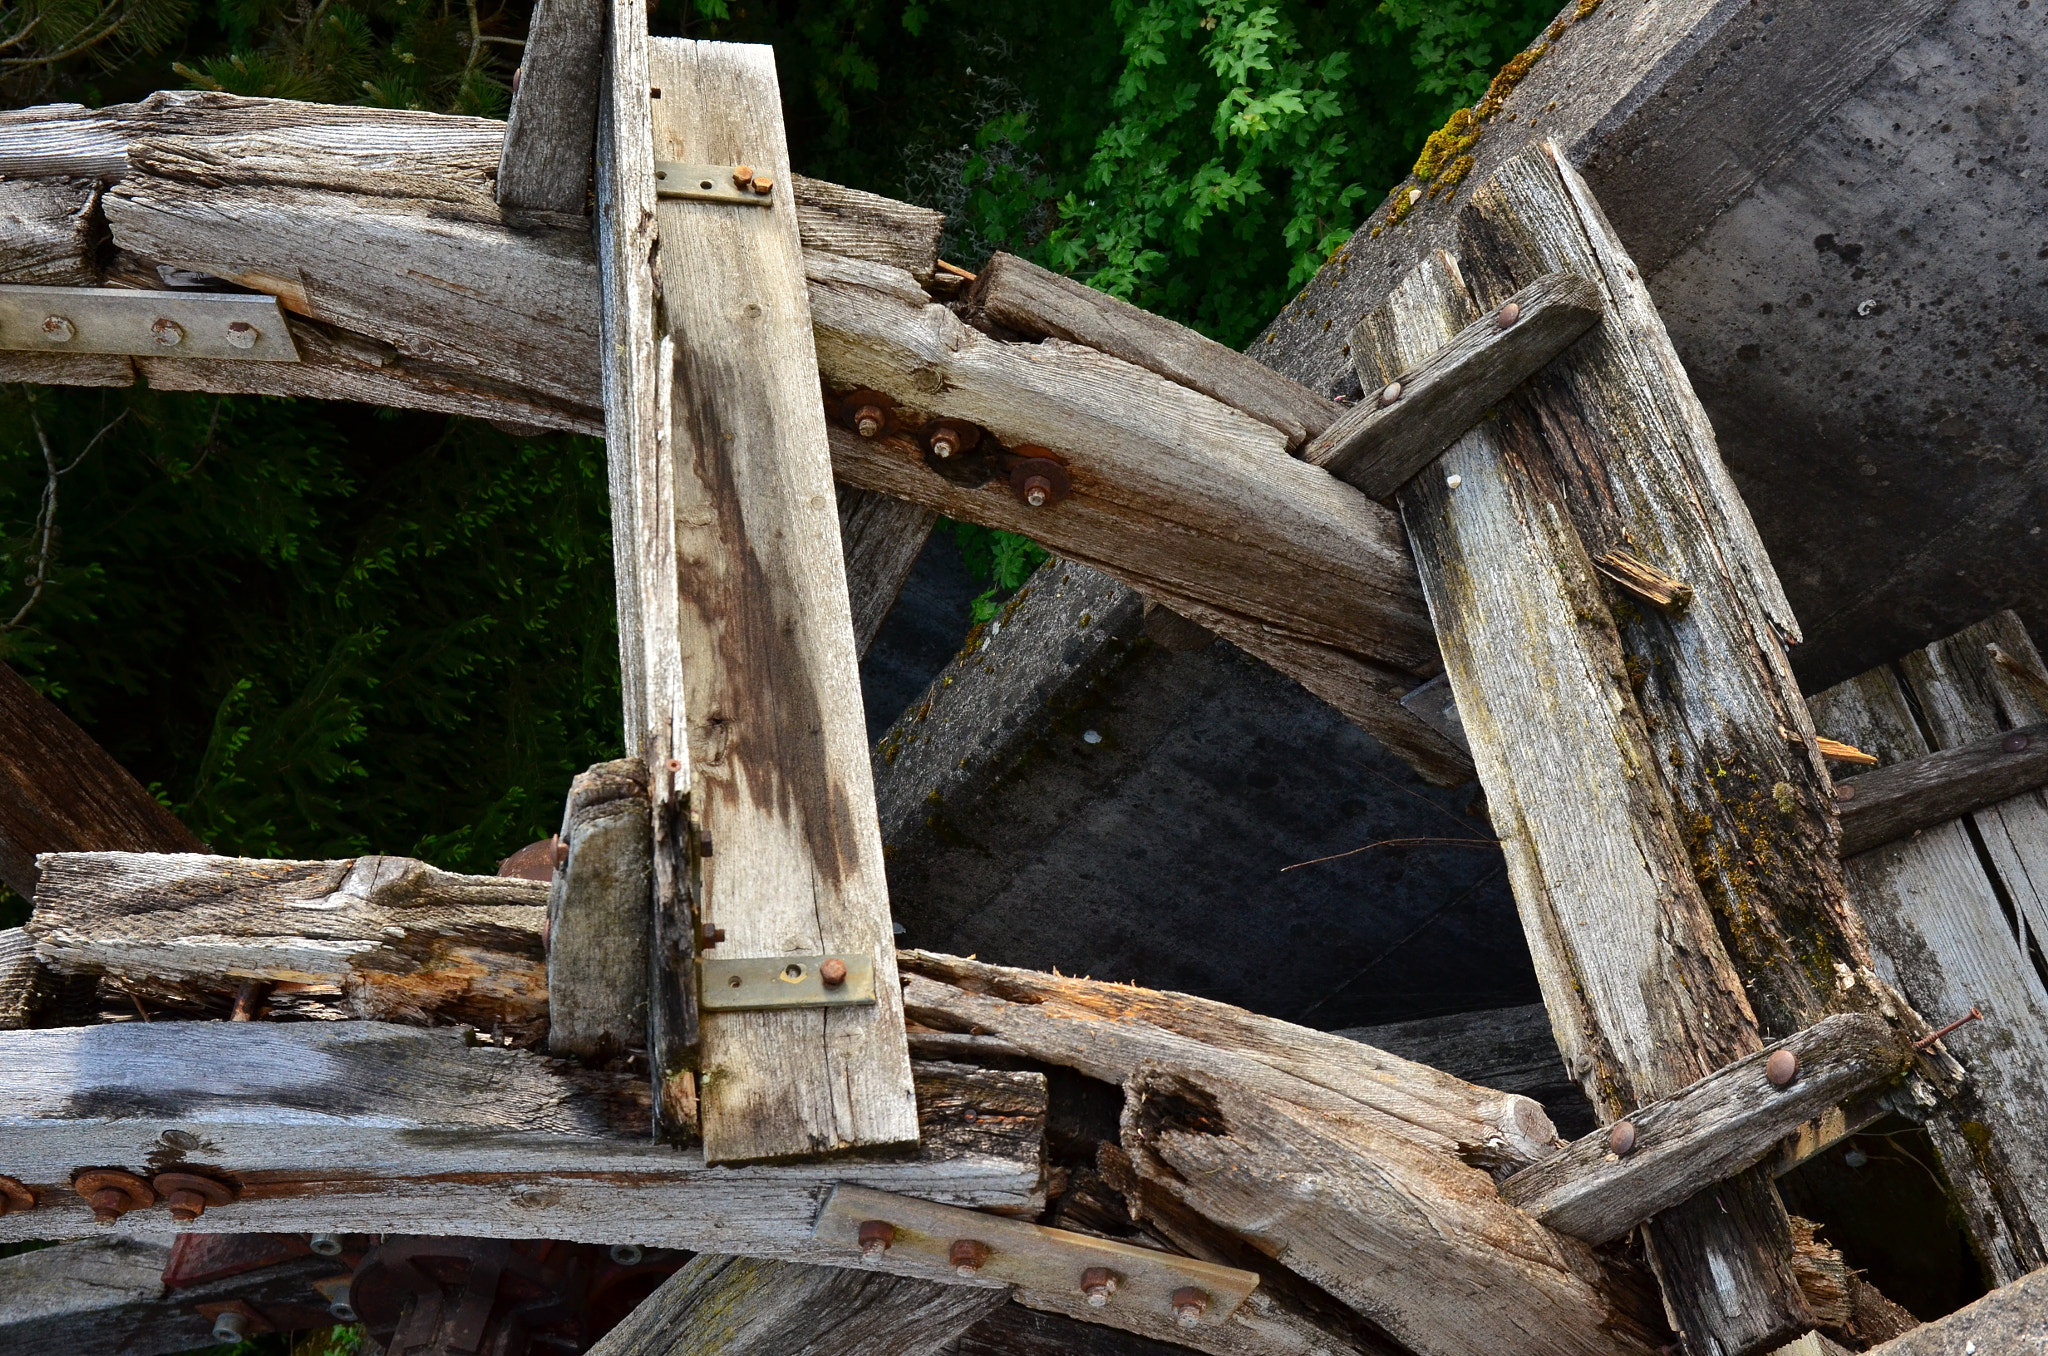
(1509,314)
(2015,743)
(1390,393)
(875,1236)
(1781,1068)
(1454,481)
(1844,791)
(1621,1140)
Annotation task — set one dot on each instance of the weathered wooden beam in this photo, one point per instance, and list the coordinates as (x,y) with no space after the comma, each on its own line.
(48,236)
(1678,1146)
(1019,295)
(1398,428)
(882,539)
(2011,1319)
(837,220)
(600,915)
(1903,798)
(546,158)
(777,737)
(393,938)
(61,792)
(1015,1330)
(365,1127)
(738,1306)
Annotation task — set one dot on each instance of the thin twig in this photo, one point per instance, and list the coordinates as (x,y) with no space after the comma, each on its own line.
(1401,842)
(46,511)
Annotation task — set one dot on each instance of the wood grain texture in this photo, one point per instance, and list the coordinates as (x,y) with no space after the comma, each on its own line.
(398,939)
(737,1306)
(2011,1321)
(1014,1330)
(882,538)
(1642,995)
(365,1127)
(48,236)
(1710,1131)
(1904,798)
(68,369)
(1400,1225)
(61,792)
(20,978)
(600,916)
(860,225)
(1380,446)
(549,135)
(1019,295)
(778,745)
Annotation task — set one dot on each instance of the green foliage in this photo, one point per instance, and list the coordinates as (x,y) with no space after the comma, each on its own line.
(43,43)
(1004,559)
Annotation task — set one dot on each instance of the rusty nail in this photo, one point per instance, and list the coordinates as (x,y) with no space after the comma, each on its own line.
(742,175)
(169,333)
(710,936)
(1781,1068)
(58,328)
(875,1237)
(1509,314)
(242,334)
(868,421)
(1843,791)
(2015,743)
(1037,489)
(1391,394)
(249,996)
(1098,1284)
(763,184)
(654,93)
(1621,1140)
(833,972)
(1927,1042)
(15,1197)
(675,765)
(1189,1304)
(945,443)
(561,853)
(967,1256)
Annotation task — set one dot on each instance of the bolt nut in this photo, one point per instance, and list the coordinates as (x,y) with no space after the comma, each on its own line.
(167,332)
(876,1236)
(113,1193)
(58,330)
(742,175)
(1621,1140)
(188,1194)
(1039,480)
(229,1326)
(325,1245)
(945,443)
(868,421)
(967,1256)
(242,334)
(1781,1068)
(1390,393)
(1509,314)
(343,1312)
(833,972)
(1097,1285)
(15,1197)
(628,1254)
(2016,743)
(708,936)
(763,184)
(1189,1304)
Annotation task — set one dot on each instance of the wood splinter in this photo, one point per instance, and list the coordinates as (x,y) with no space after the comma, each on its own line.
(1645,581)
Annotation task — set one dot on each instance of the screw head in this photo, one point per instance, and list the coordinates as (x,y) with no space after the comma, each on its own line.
(833,972)
(1781,1068)
(1509,314)
(58,329)
(1097,1285)
(167,332)
(2016,743)
(1621,1140)
(967,1256)
(1390,393)
(875,1236)
(1189,1304)
(242,334)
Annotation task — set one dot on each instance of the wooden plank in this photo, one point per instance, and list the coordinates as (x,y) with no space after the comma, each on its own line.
(1506,1048)
(1683,1144)
(600,916)
(61,792)
(778,745)
(552,127)
(1019,295)
(47,232)
(21,977)
(394,938)
(738,1306)
(1399,1225)
(838,220)
(882,539)
(1379,445)
(366,1127)
(2010,1321)
(1014,1330)
(1642,996)
(1894,802)
(1177,495)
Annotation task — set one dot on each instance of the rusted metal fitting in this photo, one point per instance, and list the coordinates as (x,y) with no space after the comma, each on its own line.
(967,1256)
(249,996)
(561,854)
(832,972)
(2016,743)
(15,1197)
(1389,393)
(708,936)
(1038,479)
(876,1236)
(949,438)
(762,184)
(168,332)
(868,413)
(1508,315)
(188,1194)
(1927,1042)
(1189,1304)
(675,765)
(742,176)
(113,1193)
(58,328)
(325,1245)
(1621,1140)
(242,334)
(1781,1068)
(1845,791)
(1097,1285)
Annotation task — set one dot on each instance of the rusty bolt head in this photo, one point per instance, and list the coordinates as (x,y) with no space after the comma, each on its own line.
(833,972)
(1390,394)
(113,1193)
(1038,480)
(742,175)
(710,936)
(167,332)
(876,1236)
(2015,743)
(57,329)
(945,443)
(868,421)
(763,185)
(1781,1068)
(242,334)
(1189,1304)
(1844,791)
(1621,1140)
(15,1197)
(1509,314)
(1037,489)
(188,1194)
(967,1256)
(1097,1285)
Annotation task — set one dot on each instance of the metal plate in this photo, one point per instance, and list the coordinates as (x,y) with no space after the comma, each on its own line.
(1046,1262)
(704,183)
(246,328)
(763,983)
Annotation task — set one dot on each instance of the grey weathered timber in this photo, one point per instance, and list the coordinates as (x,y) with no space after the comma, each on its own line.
(1936,903)
(778,749)
(882,538)
(1642,996)
(839,220)
(61,792)
(2010,1321)
(1693,1139)
(1380,444)
(365,1127)
(1896,801)
(546,158)
(1019,295)
(1015,1330)
(47,233)
(394,938)
(1174,493)
(1228,1114)
(599,915)
(738,1306)
(20,979)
